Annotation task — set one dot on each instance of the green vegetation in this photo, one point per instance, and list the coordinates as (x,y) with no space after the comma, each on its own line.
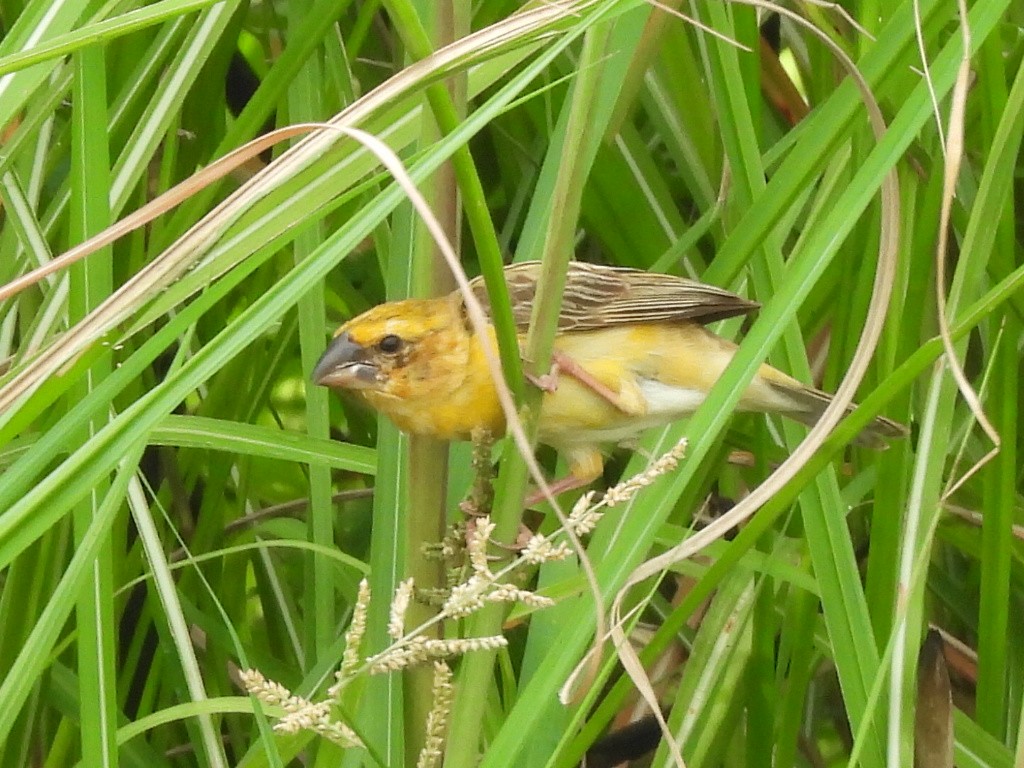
(178,503)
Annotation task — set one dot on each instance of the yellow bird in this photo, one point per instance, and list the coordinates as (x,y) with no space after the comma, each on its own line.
(631,345)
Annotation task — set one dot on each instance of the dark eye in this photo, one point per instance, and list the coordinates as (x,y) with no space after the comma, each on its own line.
(389,344)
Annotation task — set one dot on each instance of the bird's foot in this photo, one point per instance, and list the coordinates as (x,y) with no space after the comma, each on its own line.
(564,363)
(547,382)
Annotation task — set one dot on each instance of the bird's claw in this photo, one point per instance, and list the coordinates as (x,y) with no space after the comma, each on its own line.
(563,363)
(547,382)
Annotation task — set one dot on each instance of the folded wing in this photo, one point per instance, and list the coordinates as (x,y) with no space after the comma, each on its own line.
(602,297)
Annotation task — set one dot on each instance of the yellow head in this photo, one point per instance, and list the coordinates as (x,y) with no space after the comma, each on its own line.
(415,361)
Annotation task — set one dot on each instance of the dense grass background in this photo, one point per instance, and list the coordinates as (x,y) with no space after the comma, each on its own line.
(177,503)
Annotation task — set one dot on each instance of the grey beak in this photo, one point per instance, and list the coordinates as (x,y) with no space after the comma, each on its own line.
(345,364)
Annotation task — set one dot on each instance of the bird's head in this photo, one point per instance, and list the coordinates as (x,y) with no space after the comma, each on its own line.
(402,350)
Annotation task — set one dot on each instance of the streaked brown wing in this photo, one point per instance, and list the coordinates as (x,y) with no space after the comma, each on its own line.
(600,296)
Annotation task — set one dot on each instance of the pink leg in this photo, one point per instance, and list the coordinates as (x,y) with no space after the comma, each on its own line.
(563,363)
(558,487)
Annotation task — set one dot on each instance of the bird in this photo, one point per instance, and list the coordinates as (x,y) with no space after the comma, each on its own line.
(631,352)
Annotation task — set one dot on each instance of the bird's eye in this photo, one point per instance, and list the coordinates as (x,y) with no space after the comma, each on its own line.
(389,344)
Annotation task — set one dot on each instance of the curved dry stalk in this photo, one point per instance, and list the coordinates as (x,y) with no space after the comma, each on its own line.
(190,248)
(833,414)
(163,203)
(926,73)
(954,152)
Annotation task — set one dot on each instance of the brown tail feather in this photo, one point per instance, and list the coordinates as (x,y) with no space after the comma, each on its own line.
(809,404)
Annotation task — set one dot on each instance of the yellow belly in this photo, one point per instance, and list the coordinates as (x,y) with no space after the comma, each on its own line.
(659,373)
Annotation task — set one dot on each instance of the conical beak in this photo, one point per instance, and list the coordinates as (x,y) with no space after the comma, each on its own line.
(345,365)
